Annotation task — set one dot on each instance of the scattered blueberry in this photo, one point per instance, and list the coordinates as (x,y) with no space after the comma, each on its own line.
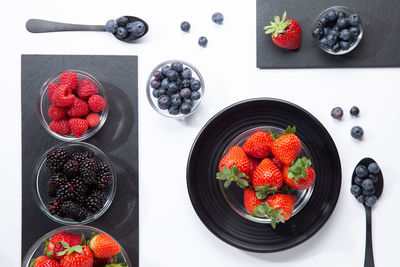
(186,108)
(185,26)
(361,171)
(345,35)
(195,84)
(165,83)
(111,26)
(177,66)
(358,180)
(173,87)
(331,15)
(172,75)
(203,41)
(176,101)
(374,178)
(370,201)
(317,33)
(186,73)
(217,18)
(337,112)
(344,45)
(155,84)
(137,28)
(355,190)
(186,92)
(354,20)
(367,184)
(121,33)
(357,132)
(158,75)
(360,198)
(373,168)
(195,95)
(173,110)
(354,111)
(164,102)
(122,21)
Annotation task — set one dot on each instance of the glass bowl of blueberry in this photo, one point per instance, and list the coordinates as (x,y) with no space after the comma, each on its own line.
(338,30)
(175,89)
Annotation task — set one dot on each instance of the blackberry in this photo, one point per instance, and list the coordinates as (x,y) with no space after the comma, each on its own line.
(56,158)
(80,156)
(71,167)
(74,211)
(104,177)
(96,200)
(78,186)
(88,170)
(65,192)
(54,207)
(55,182)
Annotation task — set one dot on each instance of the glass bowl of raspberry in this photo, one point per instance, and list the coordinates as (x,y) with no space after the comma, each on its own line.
(74,234)
(72,105)
(74,183)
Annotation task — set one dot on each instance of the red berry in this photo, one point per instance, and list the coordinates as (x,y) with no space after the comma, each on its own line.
(86,89)
(62,96)
(44,261)
(96,103)
(60,127)
(51,88)
(78,126)
(57,249)
(57,113)
(78,109)
(93,119)
(69,79)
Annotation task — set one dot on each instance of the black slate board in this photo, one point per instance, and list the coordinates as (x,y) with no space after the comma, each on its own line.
(378,48)
(118,139)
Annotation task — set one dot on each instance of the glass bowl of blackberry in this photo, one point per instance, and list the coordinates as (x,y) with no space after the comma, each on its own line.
(72,235)
(338,30)
(175,89)
(72,105)
(74,183)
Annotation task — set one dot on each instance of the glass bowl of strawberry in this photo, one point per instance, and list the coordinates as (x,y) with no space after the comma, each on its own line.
(72,105)
(80,243)
(74,183)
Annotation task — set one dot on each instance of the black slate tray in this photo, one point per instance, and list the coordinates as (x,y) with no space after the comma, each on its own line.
(378,48)
(118,139)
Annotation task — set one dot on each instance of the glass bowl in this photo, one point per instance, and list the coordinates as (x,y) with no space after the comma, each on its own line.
(153,101)
(43,104)
(354,43)
(234,195)
(37,249)
(42,174)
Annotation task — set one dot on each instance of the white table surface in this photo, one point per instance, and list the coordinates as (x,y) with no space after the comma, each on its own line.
(171,234)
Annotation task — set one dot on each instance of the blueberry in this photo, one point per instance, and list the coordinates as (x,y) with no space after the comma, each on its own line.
(186,92)
(334,32)
(122,21)
(326,30)
(203,41)
(217,18)
(162,91)
(370,201)
(173,110)
(176,101)
(345,35)
(165,83)
(336,48)
(357,132)
(317,33)
(121,33)
(172,75)
(344,45)
(374,178)
(331,15)
(185,83)
(369,192)
(337,112)
(164,102)
(156,93)
(355,31)
(186,108)
(111,26)
(354,111)
(354,19)
(173,88)
(165,69)
(177,66)
(360,198)
(355,190)
(342,23)
(178,82)
(373,168)
(155,84)
(137,28)
(341,14)
(336,28)
(318,24)
(185,26)
(195,95)
(195,84)
(158,75)
(186,73)
(367,184)
(188,101)
(331,39)
(324,21)
(323,43)
(169,93)
(358,180)
(361,171)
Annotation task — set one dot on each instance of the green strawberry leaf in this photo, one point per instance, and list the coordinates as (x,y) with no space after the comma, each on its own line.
(265,190)
(277,26)
(242,183)
(227,183)
(299,168)
(290,129)
(232,175)
(83,240)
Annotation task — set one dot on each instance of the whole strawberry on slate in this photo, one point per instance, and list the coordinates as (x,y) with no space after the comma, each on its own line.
(285,32)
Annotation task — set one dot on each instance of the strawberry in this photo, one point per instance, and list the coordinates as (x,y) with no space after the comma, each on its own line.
(76,256)
(44,261)
(250,200)
(62,96)
(78,126)
(278,208)
(60,127)
(70,239)
(93,119)
(258,145)
(70,79)
(253,166)
(96,103)
(287,147)
(285,33)
(78,109)
(300,175)
(87,88)
(56,113)
(234,167)
(277,163)
(51,88)
(104,246)
(267,178)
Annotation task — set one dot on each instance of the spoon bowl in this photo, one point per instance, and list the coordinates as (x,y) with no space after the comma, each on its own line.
(131,37)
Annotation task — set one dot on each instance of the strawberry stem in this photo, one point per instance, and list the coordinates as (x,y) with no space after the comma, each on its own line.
(277,26)
(233,175)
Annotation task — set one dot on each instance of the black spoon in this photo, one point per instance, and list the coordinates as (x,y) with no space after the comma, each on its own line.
(40,26)
(369,256)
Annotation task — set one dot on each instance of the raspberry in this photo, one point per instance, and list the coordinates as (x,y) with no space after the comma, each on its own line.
(62,96)
(93,119)
(78,126)
(96,103)
(86,89)
(78,109)
(60,127)
(69,79)
(51,88)
(56,112)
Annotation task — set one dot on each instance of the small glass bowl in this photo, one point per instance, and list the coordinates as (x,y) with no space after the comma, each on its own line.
(43,104)
(38,247)
(234,195)
(42,174)
(354,43)
(153,101)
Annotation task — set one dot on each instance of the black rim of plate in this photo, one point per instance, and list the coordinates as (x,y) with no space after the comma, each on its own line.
(206,196)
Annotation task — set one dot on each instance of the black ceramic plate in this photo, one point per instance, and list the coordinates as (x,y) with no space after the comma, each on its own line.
(213,209)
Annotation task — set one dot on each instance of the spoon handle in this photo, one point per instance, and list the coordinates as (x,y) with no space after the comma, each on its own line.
(369,255)
(39,25)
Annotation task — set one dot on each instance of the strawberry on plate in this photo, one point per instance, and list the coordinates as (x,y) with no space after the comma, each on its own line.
(258,145)
(253,166)
(285,32)
(68,238)
(44,261)
(234,167)
(251,200)
(104,246)
(267,178)
(300,175)
(287,147)
(76,256)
